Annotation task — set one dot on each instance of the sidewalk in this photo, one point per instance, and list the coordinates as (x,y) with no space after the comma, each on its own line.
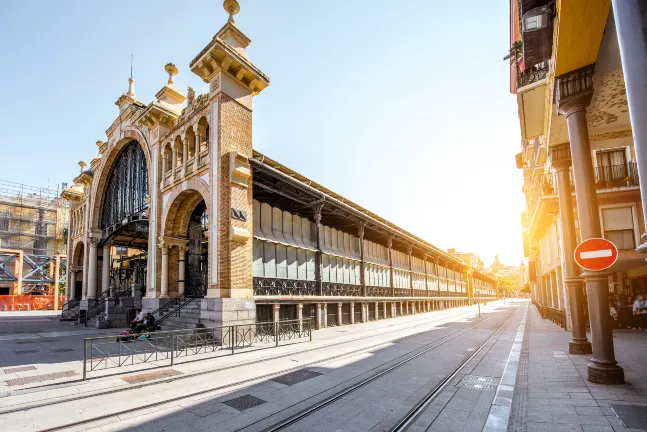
(555,396)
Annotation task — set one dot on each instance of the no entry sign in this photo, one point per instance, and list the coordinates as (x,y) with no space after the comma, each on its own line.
(596,254)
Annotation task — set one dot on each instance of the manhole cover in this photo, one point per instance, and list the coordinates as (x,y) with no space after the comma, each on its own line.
(31,351)
(150,376)
(39,378)
(633,416)
(475,382)
(63,350)
(244,402)
(19,369)
(296,377)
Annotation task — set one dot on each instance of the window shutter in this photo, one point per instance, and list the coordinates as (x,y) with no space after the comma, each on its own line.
(619,218)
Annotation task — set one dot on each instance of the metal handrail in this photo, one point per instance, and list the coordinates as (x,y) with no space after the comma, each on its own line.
(71,303)
(108,352)
(101,302)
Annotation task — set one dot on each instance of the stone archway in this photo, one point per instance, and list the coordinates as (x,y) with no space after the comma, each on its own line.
(75,271)
(178,245)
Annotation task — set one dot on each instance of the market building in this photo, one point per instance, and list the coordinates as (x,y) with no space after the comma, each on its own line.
(178,212)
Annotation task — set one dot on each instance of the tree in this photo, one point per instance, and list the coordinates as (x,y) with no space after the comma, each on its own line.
(514,53)
(526,288)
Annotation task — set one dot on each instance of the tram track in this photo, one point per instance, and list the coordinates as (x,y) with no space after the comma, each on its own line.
(81,396)
(405,422)
(435,343)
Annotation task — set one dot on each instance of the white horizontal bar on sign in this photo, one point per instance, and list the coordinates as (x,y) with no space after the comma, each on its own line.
(596,254)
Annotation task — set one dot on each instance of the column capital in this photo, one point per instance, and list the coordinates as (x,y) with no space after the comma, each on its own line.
(94,241)
(574,90)
(389,240)
(317,207)
(409,249)
(164,248)
(183,249)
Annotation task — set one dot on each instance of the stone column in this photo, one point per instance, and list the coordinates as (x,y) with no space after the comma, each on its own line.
(362,275)
(72,287)
(574,93)
(325,315)
(352,313)
(377,311)
(401,311)
(339,313)
(185,154)
(196,152)
(276,312)
(105,271)
(92,268)
(164,248)
(631,24)
(318,318)
(425,268)
(554,290)
(300,316)
(181,269)
(173,161)
(384,310)
(364,313)
(164,162)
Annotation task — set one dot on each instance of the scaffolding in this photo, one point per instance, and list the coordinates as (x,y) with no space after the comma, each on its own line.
(32,219)
(33,236)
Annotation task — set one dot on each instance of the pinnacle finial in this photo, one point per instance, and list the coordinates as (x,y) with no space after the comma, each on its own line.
(172,71)
(82,164)
(232,8)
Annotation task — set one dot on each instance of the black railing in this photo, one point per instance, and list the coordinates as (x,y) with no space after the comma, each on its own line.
(341,289)
(531,75)
(276,286)
(616,176)
(70,304)
(402,292)
(378,291)
(108,352)
(100,304)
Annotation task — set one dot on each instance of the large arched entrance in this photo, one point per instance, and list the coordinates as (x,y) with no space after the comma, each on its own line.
(124,221)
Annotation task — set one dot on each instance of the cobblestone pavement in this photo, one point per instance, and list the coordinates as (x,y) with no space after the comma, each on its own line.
(230,393)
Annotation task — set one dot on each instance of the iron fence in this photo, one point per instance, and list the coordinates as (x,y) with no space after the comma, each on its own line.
(110,352)
(555,315)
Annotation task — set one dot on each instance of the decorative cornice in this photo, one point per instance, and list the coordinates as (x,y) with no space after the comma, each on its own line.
(560,155)
(603,136)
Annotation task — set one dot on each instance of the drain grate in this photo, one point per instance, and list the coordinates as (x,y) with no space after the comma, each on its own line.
(150,376)
(244,402)
(633,416)
(39,378)
(475,382)
(63,350)
(31,351)
(26,341)
(19,369)
(296,377)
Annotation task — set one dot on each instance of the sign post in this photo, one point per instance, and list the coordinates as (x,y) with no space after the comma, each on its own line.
(596,254)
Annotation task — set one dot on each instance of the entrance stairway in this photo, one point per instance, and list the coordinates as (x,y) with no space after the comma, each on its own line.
(71,310)
(179,313)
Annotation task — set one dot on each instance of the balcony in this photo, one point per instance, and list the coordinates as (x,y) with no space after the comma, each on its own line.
(613,176)
(532,75)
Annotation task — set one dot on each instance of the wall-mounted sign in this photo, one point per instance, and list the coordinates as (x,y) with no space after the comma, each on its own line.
(239,214)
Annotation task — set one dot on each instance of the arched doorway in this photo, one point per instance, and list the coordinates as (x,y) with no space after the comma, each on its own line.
(124,220)
(197,257)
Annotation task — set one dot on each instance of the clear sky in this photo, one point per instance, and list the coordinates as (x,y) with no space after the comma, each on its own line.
(402,107)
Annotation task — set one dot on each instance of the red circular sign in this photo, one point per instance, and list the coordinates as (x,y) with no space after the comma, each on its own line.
(596,254)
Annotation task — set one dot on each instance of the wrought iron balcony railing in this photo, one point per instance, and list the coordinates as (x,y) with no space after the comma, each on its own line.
(275,286)
(531,75)
(616,176)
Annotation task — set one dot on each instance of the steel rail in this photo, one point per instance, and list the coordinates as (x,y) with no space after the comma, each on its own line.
(206,391)
(415,412)
(329,400)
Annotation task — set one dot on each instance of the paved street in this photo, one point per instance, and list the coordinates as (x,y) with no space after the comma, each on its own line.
(260,389)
